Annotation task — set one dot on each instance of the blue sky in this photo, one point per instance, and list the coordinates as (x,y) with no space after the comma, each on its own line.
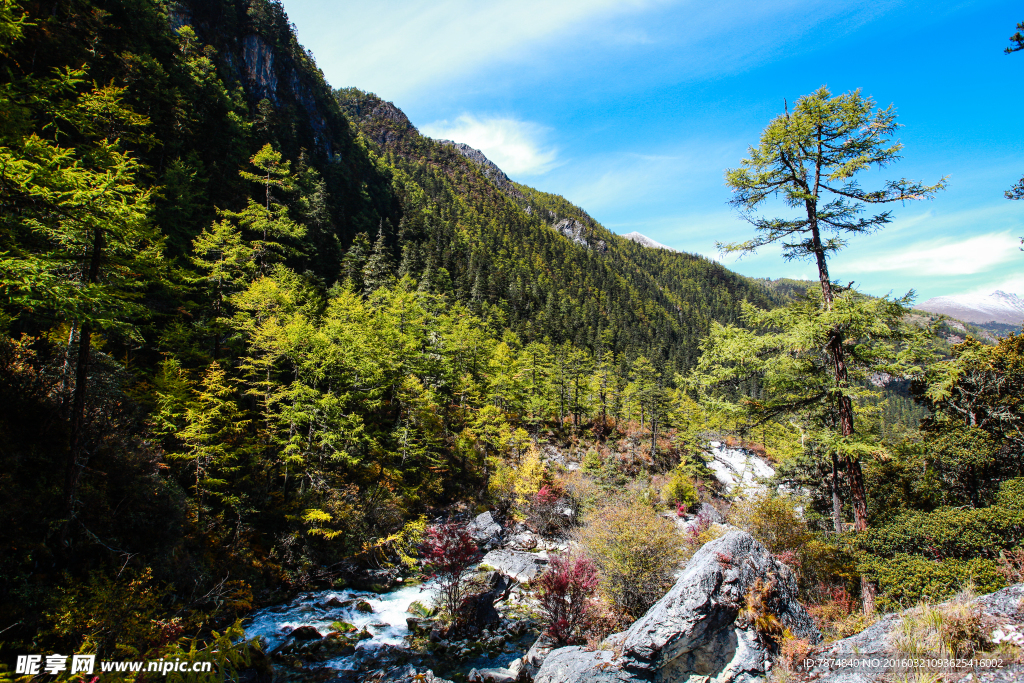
(633,109)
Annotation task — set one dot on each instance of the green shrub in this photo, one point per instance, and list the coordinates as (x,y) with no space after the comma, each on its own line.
(949,532)
(635,550)
(1011,494)
(773,520)
(905,580)
(679,489)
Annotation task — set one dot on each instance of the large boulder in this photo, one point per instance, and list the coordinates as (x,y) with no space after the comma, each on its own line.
(706,628)
(484,530)
(516,565)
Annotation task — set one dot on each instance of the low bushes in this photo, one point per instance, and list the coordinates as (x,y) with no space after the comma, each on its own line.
(635,551)
(904,580)
(947,533)
(565,591)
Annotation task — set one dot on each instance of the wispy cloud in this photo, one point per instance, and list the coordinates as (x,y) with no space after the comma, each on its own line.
(517,147)
(944,256)
(400,47)
(395,46)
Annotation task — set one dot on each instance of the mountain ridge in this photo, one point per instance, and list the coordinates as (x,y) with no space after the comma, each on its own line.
(998,307)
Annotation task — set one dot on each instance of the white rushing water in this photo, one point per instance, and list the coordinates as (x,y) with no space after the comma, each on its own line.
(736,466)
(386,623)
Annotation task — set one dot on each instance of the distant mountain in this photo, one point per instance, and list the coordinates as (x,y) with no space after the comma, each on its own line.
(646,241)
(533,261)
(998,306)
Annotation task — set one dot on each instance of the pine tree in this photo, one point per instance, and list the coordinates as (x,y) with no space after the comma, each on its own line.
(213,423)
(273,233)
(378,270)
(811,156)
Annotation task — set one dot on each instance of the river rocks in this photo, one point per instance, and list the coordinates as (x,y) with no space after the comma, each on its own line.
(694,630)
(516,565)
(534,658)
(500,675)
(409,674)
(417,625)
(306,633)
(524,541)
(364,607)
(485,531)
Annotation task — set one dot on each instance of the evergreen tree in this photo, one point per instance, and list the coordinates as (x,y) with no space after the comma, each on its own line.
(213,424)
(274,233)
(378,271)
(811,157)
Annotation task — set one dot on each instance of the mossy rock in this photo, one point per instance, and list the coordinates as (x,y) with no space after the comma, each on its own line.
(364,607)
(419,609)
(343,627)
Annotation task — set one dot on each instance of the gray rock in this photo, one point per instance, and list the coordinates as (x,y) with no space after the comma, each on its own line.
(524,541)
(1001,607)
(491,676)
(516,565)
(408,674)
(710,513)
(577,664)
(484,529)
(693,631)
(535,656)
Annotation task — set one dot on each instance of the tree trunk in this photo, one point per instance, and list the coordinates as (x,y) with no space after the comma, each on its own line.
(74,465)
(858,495)
(837,503)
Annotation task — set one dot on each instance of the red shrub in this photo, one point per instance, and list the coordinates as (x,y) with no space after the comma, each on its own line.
(450,552)
(565,591)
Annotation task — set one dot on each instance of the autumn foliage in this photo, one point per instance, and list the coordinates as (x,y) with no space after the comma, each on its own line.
(565,592)
(450,552)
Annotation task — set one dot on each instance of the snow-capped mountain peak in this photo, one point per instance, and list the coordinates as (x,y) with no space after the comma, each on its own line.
(999,306)
(646,241)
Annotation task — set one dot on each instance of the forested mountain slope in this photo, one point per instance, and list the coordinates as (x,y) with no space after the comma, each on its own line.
(549,267)
(255,331)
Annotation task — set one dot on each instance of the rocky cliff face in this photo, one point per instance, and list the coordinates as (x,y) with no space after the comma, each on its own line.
(490,169)
(719,622)
(270,67)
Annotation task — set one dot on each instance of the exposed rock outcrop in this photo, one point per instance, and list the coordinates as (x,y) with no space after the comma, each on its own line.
(516,565)
(489,168)
(259,67)
(485,531)
(702,629)
(879,642)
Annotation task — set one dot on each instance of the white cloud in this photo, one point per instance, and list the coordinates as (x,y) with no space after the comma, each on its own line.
(943,256)
(402,49)
(396,46)
(515,146)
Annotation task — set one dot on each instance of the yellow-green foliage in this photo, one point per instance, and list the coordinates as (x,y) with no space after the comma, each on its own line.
(114,618)
(513,483)
(952,630)
(635,550)
(228,652)
(771,519)
(531,475)
(679,489)
(397,548)
(502,483)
